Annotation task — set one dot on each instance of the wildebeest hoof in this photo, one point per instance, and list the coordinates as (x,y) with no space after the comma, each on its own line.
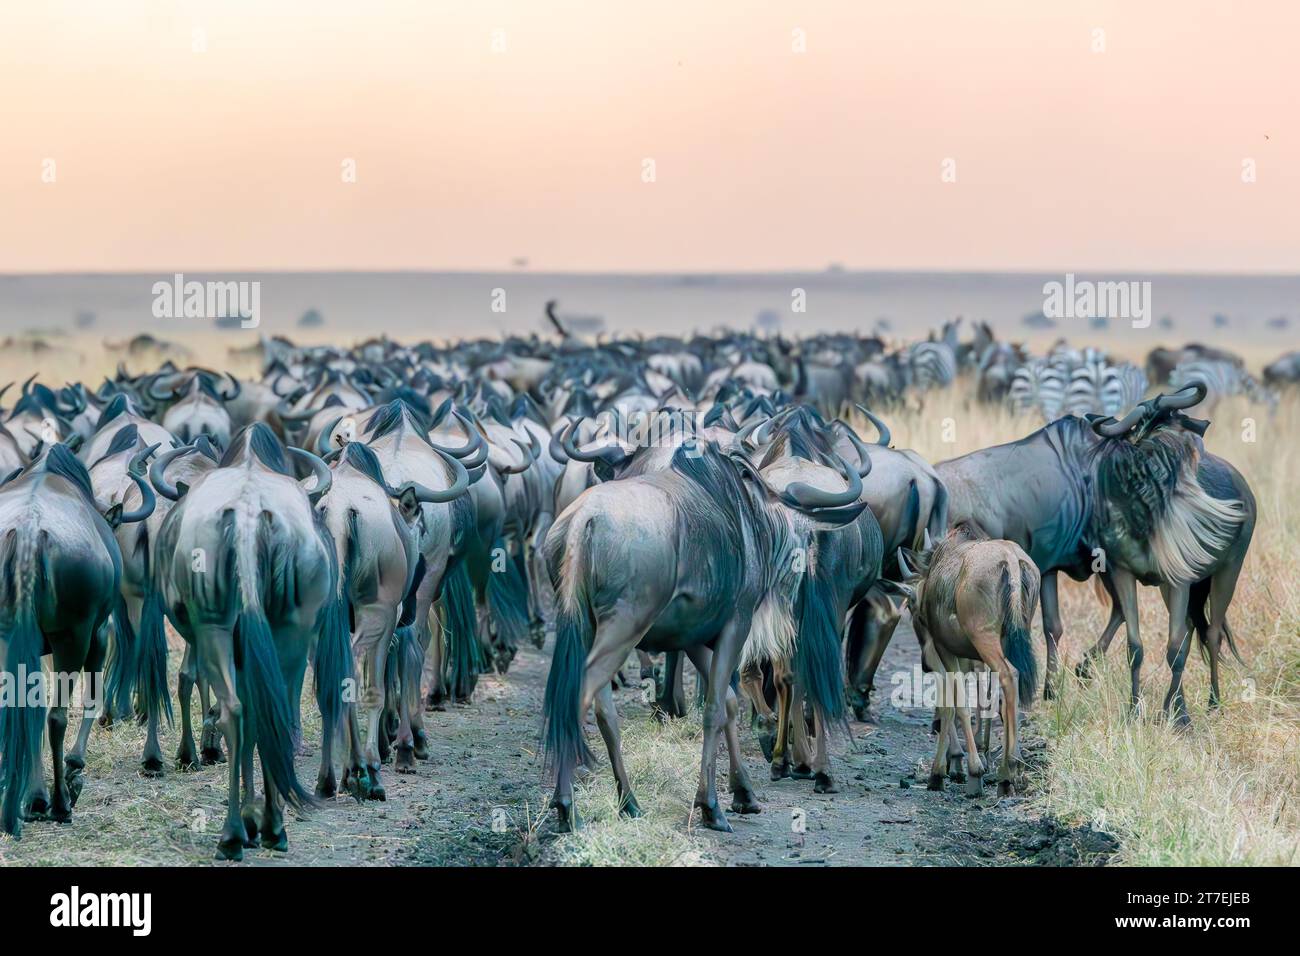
(744,801)
(802,772)
(404,760)
(780,771)
(711,816)
(151,767)
(376,791)
(230,848)
(935,782)
(975,785)
(277,841)
(212,756)
(327,786)
(628,807)
(38,807)
(1006,788)
(251,825)
(74,781)
(421,745)
(824,783)
(567,820)
(186,759)
(1083,669)
(767,744)
(61,812)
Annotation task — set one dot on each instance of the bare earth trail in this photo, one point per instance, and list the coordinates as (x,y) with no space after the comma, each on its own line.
(479,800)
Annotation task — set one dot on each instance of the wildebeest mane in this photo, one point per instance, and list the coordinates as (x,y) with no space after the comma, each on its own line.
(262,443)
(388,418)
(360,457)
(62,462)
(124,439)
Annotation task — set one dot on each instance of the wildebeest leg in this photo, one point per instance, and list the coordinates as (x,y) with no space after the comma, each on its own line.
(823,781)
(615,636)
(1052,630)
(1098,650)
(880,631)
(1126,591)
(70,651)
(370,647)
(751,685)
(607,720)
(1222,587)
(210,741)
(944,712)
(294,681)
(186,756)
(215,649)
(647,665)
(92,694)
(1008,679)
(782,679)
(743,798)
(543,595)
(726,652)
(249,810)
(671,699)
(1180,639)
(274,835)
(799,734)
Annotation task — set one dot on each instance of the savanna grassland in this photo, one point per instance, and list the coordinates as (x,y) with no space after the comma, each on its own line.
(1226,791)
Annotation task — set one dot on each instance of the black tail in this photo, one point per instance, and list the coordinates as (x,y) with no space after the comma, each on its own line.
(1016,646)
(460,623)
(566,746)
(817,648)
(123,663)
(151,659)
(20,725)
(332,668)
(261,687)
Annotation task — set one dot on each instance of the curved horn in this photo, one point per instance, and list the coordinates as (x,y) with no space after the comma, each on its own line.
(291,417)
(234,384)
(324,477)
(806,497)
(528,459)
(864,456)
(136,472)
(1181,398)
(902,565)
(159,467)
(881,428)
(557,450)
(612,455)
(460,484)
(474,438)
(1110,428)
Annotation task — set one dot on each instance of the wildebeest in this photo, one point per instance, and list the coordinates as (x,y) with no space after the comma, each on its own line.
(973,599)
(1171,514)
(671,560)
(248,575)
(59,573)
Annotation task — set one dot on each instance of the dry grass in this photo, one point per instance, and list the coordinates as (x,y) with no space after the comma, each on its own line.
(663,764)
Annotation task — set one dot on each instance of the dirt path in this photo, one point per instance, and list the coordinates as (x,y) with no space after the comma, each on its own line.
(480,792)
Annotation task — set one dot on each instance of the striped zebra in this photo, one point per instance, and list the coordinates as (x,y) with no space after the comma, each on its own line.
(1039,385)
(1070,382)
(934,365)
(1097,387)
(1221,379)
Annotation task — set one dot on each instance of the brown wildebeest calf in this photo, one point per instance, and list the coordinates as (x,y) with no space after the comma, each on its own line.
(972,599)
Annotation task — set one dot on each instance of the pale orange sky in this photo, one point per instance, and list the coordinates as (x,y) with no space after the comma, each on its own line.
(765,158)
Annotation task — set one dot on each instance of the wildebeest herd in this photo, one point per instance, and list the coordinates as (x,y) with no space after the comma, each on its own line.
(402,518)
